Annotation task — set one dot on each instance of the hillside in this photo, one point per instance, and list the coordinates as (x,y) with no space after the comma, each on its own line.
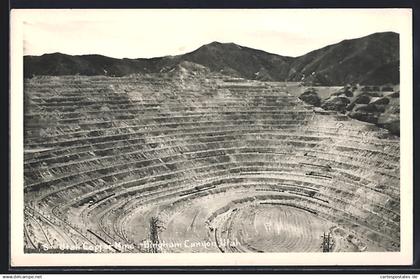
(373,59)
(241,61)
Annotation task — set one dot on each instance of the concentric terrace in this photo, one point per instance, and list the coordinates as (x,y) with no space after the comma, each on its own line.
(200,162)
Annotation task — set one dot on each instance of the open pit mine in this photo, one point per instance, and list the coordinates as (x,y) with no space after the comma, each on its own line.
(196,161)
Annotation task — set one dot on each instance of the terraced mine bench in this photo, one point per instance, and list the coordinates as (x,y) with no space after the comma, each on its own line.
(231,165)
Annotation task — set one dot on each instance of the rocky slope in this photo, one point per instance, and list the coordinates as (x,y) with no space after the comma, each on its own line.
(373,104)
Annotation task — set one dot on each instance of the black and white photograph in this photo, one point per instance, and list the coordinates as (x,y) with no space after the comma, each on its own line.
(238,136)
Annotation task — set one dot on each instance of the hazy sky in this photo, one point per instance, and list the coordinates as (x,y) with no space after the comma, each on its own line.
(152,33)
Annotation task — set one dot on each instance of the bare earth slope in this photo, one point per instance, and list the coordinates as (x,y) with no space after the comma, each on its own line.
(195,162)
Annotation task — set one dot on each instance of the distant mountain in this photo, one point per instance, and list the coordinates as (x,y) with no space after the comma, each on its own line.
(368,60)
(373,59)
(57,64)
(241,61)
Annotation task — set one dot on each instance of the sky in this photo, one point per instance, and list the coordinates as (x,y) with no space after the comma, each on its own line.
(152,33)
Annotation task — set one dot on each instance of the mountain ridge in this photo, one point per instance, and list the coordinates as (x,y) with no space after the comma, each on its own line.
(372,59)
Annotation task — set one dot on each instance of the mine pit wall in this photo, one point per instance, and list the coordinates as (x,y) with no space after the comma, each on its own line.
(103,148)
